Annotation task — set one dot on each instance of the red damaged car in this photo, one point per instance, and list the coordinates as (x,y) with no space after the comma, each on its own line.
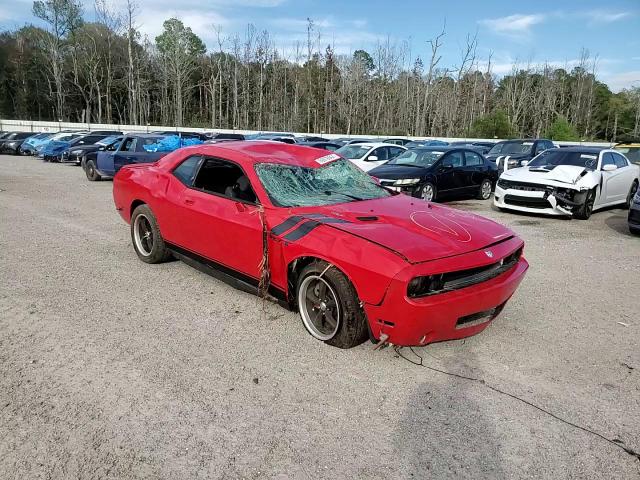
(309,228)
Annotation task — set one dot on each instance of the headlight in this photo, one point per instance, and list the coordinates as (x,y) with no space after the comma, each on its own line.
(407,181)
(421,286)
(513,163)
(504,184)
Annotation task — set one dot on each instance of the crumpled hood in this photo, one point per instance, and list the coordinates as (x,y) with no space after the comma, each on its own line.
(561,174)
(417,230)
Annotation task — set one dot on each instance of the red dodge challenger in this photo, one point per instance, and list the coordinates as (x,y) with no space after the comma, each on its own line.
(309,228)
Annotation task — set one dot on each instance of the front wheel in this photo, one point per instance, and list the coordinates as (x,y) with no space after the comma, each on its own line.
(329,306)
(585,210)
(145,235)
(91,172)
(428,192)
(484,193)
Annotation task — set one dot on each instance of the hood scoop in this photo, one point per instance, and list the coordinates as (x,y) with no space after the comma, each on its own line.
(371,218)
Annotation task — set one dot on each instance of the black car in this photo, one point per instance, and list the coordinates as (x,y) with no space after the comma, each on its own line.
(482,147)
(11,142)
(512,153)
(311,138)
(332,147)
(397,141)
(79,150)
(434,173)
(227,136)
(350,141)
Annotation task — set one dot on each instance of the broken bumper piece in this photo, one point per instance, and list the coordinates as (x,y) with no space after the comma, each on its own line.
(550,201)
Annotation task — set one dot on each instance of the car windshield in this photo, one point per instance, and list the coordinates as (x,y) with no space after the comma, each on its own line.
(419,158)
(337,182)
(549,159)
(105,142)
(510,148)
(67,138)
(353,151)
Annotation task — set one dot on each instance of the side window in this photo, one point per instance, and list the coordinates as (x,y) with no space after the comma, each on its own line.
(380,152)
(331,148)
(621,162)
(550,144)
(224,178)
(472,159)
(607,159)
(91,140)
(186,171)
(114,146)
(129,145)
(453,159)
(540,147)
(395,151)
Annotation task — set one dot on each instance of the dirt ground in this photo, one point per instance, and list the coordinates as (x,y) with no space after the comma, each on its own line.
(112,368)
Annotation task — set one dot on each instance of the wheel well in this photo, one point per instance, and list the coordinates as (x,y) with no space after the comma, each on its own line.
(135,204)
(293,273)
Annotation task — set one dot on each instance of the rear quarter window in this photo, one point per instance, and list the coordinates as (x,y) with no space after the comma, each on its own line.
(186,171)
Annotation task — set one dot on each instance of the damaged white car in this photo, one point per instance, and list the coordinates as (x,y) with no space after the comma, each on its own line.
(572,181)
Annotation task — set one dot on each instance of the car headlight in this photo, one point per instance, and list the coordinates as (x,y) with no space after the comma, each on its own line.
(406,181)
(513,163)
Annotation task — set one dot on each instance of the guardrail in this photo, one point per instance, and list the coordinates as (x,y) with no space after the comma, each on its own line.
(36,126)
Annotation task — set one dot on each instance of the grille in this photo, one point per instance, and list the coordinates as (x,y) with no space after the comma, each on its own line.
(529,202)
(447,282)
(524,186)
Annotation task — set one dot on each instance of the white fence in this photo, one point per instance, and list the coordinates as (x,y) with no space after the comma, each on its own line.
(29,126)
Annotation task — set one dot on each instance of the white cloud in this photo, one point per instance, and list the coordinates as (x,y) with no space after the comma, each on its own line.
(621,80)
(514,26)
(604,16)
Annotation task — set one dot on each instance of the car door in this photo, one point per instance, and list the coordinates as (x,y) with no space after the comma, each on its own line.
(615,186)
(449,172)
(376,157)
(214,224)
(125,154)
(474,170)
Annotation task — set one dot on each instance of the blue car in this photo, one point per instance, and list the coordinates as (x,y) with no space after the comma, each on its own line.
(29,146)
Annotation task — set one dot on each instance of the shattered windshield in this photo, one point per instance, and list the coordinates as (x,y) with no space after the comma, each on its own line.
(419,158)
(511,148)
(353,151)
(336,182)
(549,159)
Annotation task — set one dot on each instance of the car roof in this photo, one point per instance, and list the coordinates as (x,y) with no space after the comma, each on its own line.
(444,148)
(373,144)
(580,149)
(251,152)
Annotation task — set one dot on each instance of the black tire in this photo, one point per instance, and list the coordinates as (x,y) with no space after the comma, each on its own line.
(153,250)
(424,188)
(484,193)
(351,322)
(634,230)
(91,172)
(586,209)
(632,193)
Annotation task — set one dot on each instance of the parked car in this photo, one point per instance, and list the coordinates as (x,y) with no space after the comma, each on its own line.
(426,143)
(227,136)
(131,150)
(77,145)
(634,214)
(89,160)
(199,136)
(78,152)
(332,147)
(482,147)
(11,143)
(29,145)
(516,153)
(631,150)
(370,155)
(350,141)
(432,173)
(311,138)
(56,143)
(58,150)
(356,260)
(571,181)
(397,141)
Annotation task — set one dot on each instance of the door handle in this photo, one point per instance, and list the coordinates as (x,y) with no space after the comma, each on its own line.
(188,201)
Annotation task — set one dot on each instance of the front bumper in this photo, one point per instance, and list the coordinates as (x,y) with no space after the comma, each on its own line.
(445,316)
(52,157)
(533,201)
(634,216)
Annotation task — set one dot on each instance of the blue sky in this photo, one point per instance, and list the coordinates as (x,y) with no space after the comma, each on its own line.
(527,32)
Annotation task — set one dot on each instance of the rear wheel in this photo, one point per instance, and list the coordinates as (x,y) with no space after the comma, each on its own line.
(329,306)
(484,193)
(145,235)
(584,212)
(91,172)
(632,193)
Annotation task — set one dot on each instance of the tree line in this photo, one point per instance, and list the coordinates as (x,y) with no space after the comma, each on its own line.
(105,71)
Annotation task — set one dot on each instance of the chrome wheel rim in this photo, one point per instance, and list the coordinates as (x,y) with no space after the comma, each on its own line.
(427,193)
(319,307)
(143,235)
(485,189)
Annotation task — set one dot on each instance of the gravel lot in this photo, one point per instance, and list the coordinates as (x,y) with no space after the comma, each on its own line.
(111,368)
